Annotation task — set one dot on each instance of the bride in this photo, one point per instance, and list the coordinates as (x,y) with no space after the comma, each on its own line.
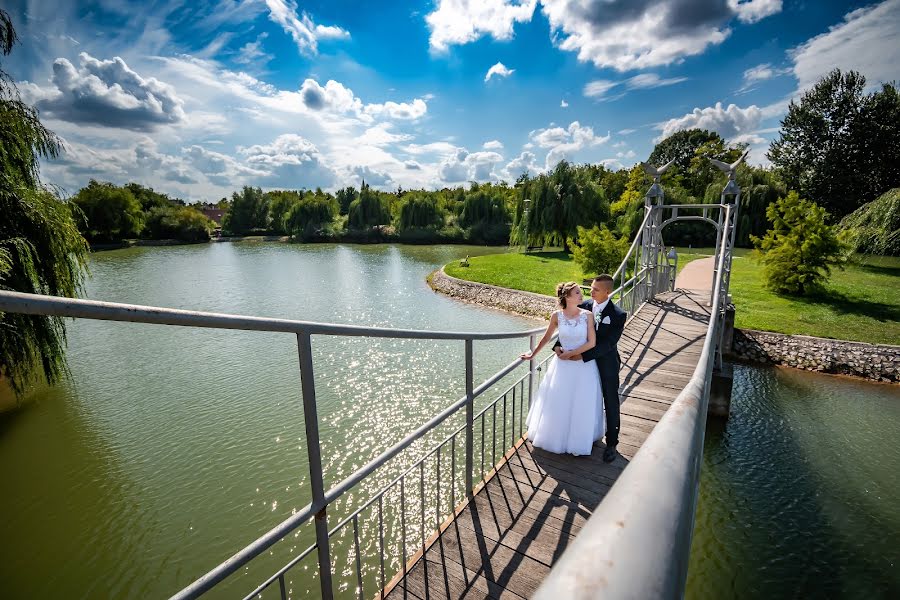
(567,414)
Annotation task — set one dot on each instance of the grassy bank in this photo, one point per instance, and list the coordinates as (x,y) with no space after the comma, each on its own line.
(860,303)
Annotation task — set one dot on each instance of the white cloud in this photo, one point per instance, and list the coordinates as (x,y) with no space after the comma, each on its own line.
(334,96)
(564,104)
(221,169)
(290,161)
(380,135)
(499,70)
(866,41)
(253,53)
(751,11)
(729,122)
(464,21)
(107,93)
(598,89)
(524,163)
(493,145)
(564,143)
(637,34)
(626,131)
(407,111)
(305,33)
(464,166)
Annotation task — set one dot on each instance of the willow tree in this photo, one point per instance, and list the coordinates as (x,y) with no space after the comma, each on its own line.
(41,250)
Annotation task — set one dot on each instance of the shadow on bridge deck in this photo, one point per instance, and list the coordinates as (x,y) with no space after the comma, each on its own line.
(503,543)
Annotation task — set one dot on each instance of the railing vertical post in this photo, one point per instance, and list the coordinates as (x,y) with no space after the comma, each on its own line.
(470,416)
(313,450)
(531,344)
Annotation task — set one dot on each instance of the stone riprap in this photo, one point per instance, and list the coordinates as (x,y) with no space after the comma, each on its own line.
(514,301)
(878,362)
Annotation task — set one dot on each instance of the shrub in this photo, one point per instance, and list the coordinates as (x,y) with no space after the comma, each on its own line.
(598,250)
(800,249)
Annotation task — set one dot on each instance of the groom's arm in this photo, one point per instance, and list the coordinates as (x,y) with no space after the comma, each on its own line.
(609,339)
(557,347)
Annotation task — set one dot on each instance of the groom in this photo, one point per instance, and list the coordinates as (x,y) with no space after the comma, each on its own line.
(609,321)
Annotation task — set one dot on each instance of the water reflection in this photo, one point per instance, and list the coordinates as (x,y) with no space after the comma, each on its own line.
(800,491)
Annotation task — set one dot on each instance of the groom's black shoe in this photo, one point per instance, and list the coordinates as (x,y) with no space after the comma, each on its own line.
(609,454)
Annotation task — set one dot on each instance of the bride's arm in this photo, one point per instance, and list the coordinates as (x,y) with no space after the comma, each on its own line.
(547,335)
(590,343)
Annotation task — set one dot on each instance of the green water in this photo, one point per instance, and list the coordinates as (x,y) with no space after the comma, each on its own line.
(800,491)
(174,447)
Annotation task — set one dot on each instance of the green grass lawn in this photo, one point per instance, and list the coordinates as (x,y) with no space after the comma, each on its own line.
(861,303)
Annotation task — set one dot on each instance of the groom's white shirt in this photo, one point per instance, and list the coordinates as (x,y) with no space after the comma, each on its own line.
(599,306)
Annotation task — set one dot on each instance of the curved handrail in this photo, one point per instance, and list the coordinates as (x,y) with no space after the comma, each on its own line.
(637,542)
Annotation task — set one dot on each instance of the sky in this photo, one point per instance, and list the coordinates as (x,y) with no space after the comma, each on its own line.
(198,98)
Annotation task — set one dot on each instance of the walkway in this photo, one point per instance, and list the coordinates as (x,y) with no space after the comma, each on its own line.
(503,544)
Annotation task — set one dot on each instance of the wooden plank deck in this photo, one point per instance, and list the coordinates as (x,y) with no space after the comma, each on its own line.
(504,542)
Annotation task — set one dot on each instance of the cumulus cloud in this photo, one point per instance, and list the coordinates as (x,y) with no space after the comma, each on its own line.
(373,177)
(493,145)
(564,104)
(462,166)
(761,73)
(638,34)
(107,93)
(499,70)
(865,41)
(463,21)
(729,122)
(336,97)
(751,11)
(290,161)
(564,143)
(305,33)
(220,169)
(598,89)
(526,162)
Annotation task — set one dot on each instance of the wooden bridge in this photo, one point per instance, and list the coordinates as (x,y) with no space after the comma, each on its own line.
(503,542)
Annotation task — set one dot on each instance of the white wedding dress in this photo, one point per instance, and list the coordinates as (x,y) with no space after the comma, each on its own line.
(567,414)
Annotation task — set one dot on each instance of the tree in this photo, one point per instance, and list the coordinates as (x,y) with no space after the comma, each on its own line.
(41,249)
(249,210)
(150,199)
(179,223)
(681,147)
(311,214)
(111,213)
(874,228)
(368,210)
(280,204)
(838,146)
(344,197)
(419,211)
(598,250)
(800,249)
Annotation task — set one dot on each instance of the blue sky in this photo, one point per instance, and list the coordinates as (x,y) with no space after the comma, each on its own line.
(199,98)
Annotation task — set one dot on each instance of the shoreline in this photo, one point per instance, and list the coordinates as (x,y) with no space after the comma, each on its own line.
(874,363)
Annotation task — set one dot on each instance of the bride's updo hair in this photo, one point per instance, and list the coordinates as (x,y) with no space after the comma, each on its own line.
(563,290)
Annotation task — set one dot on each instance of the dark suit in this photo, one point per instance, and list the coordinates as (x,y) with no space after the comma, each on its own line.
(606,353)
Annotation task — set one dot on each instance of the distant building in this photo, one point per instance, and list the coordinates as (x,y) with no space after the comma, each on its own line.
(210,211)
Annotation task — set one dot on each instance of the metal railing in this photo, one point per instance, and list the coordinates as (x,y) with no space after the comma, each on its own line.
(637,542)
(512,406)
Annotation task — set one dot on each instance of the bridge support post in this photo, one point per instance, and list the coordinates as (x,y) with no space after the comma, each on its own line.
(720,391)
